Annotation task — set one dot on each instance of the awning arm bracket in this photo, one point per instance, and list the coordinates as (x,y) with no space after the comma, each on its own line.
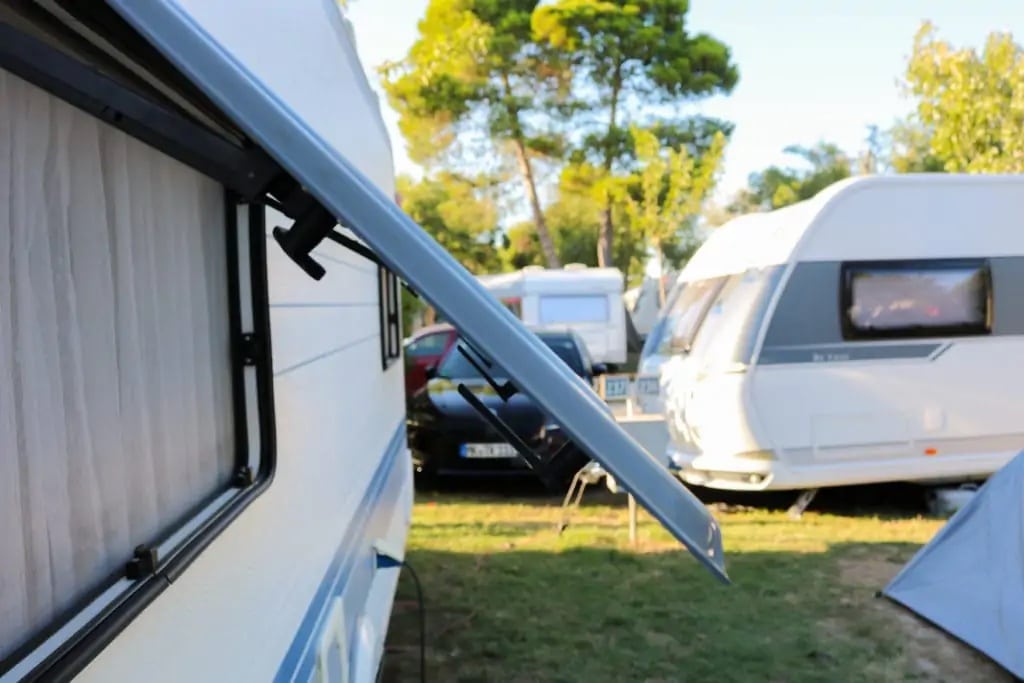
(313,223)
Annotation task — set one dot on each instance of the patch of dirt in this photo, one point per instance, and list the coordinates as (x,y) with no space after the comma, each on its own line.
(930,653)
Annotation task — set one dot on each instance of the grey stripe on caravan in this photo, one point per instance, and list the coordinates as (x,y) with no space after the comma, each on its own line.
(838,353)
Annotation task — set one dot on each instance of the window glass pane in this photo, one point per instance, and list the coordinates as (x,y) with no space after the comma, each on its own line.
(430,345)
(573,309)
(656,337)
(687,313)
(726,337)
(891,297)
(116,404)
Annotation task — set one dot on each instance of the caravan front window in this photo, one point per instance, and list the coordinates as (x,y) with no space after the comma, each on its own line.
(573,309)
(688,313)
(899,299)
(727,336)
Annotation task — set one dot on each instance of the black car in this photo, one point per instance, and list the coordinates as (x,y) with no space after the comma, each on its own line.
(448,437)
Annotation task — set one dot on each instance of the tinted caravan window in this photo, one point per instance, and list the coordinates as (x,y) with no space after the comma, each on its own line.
(573,309)
(896,299)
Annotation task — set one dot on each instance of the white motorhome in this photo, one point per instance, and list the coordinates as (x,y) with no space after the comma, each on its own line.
(203,467)
(869,334)
(586,300)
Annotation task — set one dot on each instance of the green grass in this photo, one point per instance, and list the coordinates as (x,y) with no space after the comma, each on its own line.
(509,599)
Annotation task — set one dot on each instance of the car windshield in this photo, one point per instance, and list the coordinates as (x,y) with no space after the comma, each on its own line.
(456,366)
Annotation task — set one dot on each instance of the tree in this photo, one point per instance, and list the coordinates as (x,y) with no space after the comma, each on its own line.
(455,212)
(475,83)
(970,105)
(666,192)
(633,61)
(910,149)
(775,187)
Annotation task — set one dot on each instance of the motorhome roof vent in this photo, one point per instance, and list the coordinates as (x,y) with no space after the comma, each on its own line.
(575,266)
(532,269)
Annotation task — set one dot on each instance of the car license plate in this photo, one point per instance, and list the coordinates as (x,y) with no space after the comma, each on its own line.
(488,450)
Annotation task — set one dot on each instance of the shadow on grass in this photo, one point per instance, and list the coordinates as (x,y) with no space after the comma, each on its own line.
(594,615)
(879,500)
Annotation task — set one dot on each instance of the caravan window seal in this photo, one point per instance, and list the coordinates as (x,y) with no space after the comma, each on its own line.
(57,653)
(853,332)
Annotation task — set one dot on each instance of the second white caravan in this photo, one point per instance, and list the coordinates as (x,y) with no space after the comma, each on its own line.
(586,300)
(869,334)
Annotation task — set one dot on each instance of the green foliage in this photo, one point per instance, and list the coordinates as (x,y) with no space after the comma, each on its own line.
(454,212)
(475,86)
(668,188)
(776,186)
(910,149)
(970,105)
(633,62)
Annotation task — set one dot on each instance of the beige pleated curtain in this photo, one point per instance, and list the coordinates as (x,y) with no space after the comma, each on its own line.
(115,395)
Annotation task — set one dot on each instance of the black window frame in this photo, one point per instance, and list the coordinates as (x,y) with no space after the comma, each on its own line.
(56,653)
(390,307)
(852,332)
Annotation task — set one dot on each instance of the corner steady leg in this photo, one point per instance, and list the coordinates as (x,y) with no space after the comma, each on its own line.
(796,510)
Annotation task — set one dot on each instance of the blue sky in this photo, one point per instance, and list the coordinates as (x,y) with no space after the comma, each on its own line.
(809,69)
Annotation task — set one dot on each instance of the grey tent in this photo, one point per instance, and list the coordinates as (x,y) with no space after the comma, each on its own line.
(969,580)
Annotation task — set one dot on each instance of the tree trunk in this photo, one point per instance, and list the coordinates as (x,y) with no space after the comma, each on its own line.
(547,245)
(660,256)
(606,235)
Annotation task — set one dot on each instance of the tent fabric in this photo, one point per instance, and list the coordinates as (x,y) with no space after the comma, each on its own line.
(969,580)
(115,383)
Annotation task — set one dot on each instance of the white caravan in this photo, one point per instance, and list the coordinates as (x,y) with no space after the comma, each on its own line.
(587,300)
(203,468)
(151,444)
(869,334)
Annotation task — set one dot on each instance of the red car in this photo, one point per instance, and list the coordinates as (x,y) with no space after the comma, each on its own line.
(424,349)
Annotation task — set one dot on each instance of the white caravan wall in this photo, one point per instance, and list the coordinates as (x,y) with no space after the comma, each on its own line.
(115,385)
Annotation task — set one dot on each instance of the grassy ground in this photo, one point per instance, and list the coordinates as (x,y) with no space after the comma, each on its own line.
(510,600)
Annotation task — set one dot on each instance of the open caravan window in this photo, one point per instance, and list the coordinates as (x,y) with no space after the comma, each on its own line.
(894,299)
(275,108)
(135,389)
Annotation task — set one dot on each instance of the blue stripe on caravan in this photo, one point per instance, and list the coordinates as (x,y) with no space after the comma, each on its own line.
(300,659)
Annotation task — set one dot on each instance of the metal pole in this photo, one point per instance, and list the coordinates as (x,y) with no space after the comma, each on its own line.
(632,520)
